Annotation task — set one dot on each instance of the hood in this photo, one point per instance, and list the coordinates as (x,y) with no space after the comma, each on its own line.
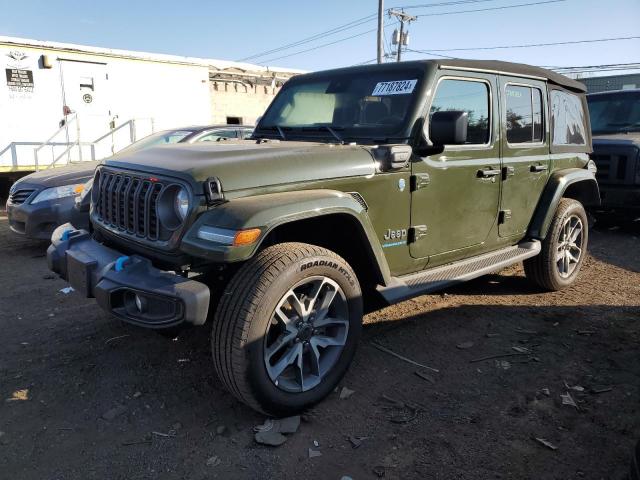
(58,176)
(629,138)
(247,164)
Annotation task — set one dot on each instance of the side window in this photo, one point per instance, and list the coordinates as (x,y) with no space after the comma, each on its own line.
(524,114)
(467,96)
(217,135)
(567,115)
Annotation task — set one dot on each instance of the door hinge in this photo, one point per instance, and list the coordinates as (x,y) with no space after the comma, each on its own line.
(508,172)
(419,181)
(503,216)
(417,232)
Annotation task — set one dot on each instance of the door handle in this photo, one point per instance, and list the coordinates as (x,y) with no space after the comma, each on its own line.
(538,168)
(488,173)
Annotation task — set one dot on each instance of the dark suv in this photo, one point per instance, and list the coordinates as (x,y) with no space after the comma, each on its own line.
(360,186)
(615,123)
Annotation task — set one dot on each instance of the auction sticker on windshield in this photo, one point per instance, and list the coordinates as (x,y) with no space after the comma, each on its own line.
(397,87)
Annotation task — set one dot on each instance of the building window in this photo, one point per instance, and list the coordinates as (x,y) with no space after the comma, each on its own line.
(234,120)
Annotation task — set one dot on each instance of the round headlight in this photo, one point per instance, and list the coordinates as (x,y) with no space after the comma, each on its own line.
(182,203)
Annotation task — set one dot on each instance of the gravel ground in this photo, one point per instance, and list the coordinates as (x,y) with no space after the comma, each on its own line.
(88,397)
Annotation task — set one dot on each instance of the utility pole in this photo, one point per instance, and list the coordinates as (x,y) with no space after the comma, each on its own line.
(401,38)
(380,29)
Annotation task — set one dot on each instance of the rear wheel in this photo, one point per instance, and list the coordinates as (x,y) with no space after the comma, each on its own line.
(287,327)
(563,250)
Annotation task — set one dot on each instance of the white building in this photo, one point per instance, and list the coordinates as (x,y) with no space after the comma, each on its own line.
(63,102)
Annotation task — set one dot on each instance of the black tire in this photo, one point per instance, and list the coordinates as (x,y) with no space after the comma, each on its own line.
(634,473)
(543,269)
(245,312)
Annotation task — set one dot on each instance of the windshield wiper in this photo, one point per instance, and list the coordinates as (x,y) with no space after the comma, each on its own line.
(331,130)
(275,128)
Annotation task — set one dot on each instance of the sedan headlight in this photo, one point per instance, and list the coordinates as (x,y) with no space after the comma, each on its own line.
(59,192)
(182,203)
(13,188)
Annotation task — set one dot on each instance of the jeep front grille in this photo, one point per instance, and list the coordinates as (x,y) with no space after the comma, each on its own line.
(129,204)
(20,196)
(616,165)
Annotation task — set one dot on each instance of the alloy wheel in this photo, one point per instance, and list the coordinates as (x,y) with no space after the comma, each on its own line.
(306,335)
(569,248)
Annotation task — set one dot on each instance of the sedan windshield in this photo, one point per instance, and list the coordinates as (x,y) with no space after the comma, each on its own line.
(165,137)
(615,113)
(348,106)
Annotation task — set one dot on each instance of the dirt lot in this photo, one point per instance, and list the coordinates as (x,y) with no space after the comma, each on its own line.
(65,366)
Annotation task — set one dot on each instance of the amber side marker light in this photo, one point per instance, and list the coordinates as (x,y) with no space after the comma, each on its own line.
(246,237)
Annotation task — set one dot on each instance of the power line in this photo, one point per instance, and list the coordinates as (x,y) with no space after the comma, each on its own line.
(353,24)
(320,46)
(504,7)
(333,31)
(427,52)
(428,15)
(596,66)
(530,45)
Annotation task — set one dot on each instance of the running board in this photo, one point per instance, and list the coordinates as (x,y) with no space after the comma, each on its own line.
(427,281)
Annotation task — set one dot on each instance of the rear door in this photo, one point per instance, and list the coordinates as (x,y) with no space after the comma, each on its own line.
(525,152)
(454,202)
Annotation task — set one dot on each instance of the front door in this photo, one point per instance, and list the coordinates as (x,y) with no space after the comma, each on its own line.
(85,92)
(525,148)
(454,203)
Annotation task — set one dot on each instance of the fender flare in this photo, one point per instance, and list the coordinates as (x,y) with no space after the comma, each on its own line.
(578,183)
(269,211)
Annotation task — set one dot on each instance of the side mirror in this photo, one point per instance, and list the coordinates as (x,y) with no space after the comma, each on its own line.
(448,128)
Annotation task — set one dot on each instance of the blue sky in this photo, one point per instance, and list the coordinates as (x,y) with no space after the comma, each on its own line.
(235,30)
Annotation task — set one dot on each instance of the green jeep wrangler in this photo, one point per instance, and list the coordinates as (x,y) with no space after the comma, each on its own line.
(361,187)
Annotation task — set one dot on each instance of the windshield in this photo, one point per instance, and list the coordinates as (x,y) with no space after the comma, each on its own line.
(348,106)
(615,113)
(165,137)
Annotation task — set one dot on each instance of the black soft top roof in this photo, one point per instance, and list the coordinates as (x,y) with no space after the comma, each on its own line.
(519,69)
(497,66)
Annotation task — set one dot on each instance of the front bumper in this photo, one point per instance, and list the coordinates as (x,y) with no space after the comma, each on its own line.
(130,288)
(620,197)
(39,220)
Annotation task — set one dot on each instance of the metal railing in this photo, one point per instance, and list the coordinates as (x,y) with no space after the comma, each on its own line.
(48,142)
(69,145)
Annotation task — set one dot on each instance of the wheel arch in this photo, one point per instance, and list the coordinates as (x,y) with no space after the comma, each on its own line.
(326,218)
(577,183)
(340,232)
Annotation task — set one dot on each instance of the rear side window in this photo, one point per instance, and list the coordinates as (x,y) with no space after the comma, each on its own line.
(568,119)
(466,96)
(524,114)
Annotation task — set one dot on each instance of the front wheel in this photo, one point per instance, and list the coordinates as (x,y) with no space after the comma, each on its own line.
(286,327)
(563,249)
